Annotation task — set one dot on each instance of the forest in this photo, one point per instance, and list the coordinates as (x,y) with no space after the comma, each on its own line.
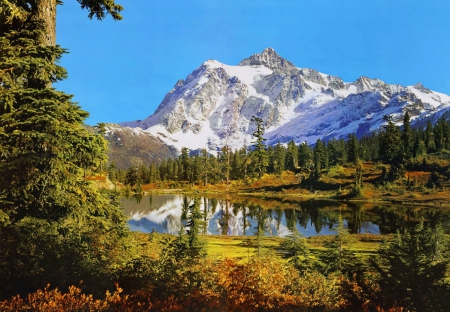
(397,151)
(66,246)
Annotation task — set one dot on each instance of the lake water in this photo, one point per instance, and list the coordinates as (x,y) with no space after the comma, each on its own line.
(237,215)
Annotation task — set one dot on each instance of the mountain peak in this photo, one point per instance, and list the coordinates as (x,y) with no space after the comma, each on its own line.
(214,105)
(421,88)
(270,59)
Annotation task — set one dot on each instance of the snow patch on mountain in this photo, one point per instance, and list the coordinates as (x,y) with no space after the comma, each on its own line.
(214,105)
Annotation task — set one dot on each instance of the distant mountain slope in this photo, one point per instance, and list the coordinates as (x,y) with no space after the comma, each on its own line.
(132,147)
(213,106)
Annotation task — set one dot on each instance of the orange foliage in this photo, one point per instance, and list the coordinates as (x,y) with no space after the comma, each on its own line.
(98,178)
(262,284)
(418,176)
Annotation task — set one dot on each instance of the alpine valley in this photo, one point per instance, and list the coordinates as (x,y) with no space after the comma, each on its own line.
(214,105)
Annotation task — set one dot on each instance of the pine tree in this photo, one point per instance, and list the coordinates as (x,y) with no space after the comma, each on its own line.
(113,173)
(407,136)
(391,148)
(279,158)
(410,267)
(259,154)
(352,149)
(185,163)
(429,138)
(291,156)
(196,226)
(50,217)
(236,167)
(205,168)
(304,155)
(295,249)
(225,158)
(320,161)
(338,257)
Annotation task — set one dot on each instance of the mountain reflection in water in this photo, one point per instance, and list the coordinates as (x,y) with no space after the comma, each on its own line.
(241,215)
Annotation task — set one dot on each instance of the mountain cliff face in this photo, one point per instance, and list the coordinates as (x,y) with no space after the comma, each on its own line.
(213,106)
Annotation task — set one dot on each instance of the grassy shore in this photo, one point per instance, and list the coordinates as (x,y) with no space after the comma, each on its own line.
(335,183)
(244,247)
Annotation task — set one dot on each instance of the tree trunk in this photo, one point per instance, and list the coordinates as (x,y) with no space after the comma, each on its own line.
(45,10)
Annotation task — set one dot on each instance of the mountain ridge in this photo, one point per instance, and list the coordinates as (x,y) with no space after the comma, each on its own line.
(213,106)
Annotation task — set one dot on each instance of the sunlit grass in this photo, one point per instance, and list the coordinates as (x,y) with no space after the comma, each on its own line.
(242,247)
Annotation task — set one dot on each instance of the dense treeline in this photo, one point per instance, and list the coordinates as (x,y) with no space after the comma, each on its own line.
(393,145)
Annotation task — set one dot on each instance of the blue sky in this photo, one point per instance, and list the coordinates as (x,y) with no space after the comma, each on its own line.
(120,71)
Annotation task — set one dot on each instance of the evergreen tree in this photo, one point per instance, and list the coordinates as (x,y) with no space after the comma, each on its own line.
(429,138)
(152,173)
(291,156)
(338,257)
(185,163)
(50,217)
(352,149)
(195,226)
(304,155)
(410,268)
(131,176)
(226,155)
(279,156)
(295,249)
(259,154)
(407,136)
(358,181)
(419,147)
(205,166)
(236,167)
(320,160)
(441,134)
(391,148)
(113,173)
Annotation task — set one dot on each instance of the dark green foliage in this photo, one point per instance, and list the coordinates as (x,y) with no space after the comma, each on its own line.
(411,268)
(291,156)
(55,227)
(336,151)
(357,189)
(184,159)
(196,225)
(131,176)
(113,173)
(392,150)
(305,156)
(295,249)
(279,156)
(429,138)
(205,166)
(441,134)
(320,159)
(407,136)
(225,162)
(338,257)
(259,155)
(352,149)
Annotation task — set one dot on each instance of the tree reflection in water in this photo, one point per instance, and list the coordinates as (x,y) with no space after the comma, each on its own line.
(236,215)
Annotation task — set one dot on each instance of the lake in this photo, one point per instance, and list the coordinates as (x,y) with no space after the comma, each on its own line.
(241,216)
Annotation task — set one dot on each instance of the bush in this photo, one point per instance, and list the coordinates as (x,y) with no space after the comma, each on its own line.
(336,171)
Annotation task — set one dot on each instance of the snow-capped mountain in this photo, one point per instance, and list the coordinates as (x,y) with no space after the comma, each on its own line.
(213,106)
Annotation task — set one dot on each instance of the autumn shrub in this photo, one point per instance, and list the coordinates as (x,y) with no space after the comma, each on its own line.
(266,283)
(336,171)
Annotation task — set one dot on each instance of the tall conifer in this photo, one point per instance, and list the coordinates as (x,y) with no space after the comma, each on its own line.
(54,226)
